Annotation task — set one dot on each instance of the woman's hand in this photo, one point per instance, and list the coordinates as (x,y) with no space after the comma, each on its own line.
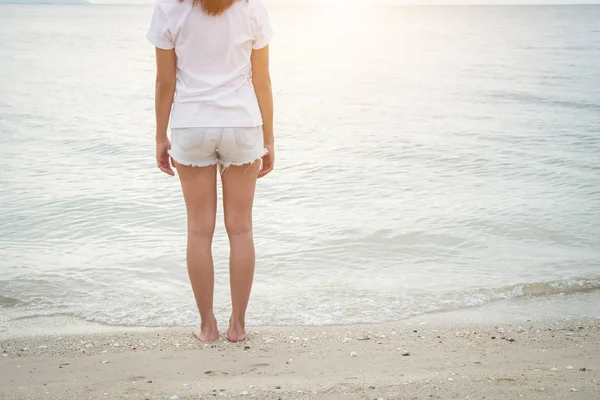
(163,160)
(268,161)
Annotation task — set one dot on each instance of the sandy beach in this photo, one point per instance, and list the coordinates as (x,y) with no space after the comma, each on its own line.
(553,359)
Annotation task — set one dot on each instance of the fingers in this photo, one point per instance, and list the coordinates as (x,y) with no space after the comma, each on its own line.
(164,164)
(268,161)
(167,170)
(266,168)
(264,173)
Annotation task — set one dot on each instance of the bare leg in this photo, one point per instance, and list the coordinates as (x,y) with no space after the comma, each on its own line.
(239,183)
(199,185)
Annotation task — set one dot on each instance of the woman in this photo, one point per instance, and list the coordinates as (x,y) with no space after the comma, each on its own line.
(213,84)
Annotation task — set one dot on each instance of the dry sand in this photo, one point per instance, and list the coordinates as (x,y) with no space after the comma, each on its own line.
(557,359)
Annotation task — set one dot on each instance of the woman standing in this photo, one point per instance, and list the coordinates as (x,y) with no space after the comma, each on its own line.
(213,83)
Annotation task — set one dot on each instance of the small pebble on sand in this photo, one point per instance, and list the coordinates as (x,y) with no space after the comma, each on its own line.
(570,367)
(450,379)
(554,369)
(406,354)
(245,393)
(353,354)
(573,390)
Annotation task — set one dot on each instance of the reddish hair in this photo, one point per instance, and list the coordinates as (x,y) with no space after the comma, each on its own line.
(213,7)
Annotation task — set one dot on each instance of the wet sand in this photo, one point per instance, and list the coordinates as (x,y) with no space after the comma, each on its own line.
(556,359)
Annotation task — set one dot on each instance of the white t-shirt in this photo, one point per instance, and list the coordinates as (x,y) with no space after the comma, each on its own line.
(214,87)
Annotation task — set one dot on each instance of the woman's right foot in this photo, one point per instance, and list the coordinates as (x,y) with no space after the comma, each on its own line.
(236,332)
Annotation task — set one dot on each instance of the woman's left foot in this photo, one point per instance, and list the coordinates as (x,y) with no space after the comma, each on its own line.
(206,337)
(207,334)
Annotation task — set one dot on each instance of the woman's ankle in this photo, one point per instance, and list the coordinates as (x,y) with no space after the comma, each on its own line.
(237,322)
(208,322)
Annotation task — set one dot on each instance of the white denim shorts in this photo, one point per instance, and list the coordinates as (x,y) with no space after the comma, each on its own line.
(201,147)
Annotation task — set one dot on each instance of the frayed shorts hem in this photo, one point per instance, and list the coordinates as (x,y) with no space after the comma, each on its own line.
(250,160)
(224,163)
(199,164)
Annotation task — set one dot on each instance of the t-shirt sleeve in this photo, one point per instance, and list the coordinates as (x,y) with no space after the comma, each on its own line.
(261,29)
(159,33)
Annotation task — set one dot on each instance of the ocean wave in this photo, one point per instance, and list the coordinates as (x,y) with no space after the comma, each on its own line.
(483,296)
(529,98)
(553,288)
(336,309)
(6,301)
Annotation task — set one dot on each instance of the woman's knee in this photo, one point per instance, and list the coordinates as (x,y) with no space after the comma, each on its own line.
(201,228)
(238,226)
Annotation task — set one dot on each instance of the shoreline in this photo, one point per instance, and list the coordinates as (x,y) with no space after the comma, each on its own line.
(421,358)
(506,311)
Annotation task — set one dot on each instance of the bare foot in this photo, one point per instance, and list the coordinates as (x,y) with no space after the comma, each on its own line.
(236,332)
(207,334)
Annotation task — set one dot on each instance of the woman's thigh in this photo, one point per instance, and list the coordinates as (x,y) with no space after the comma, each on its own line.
(239,184)
(199,186)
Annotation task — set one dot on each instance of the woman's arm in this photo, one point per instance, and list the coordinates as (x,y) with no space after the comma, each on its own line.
(166,63)
(261,79)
